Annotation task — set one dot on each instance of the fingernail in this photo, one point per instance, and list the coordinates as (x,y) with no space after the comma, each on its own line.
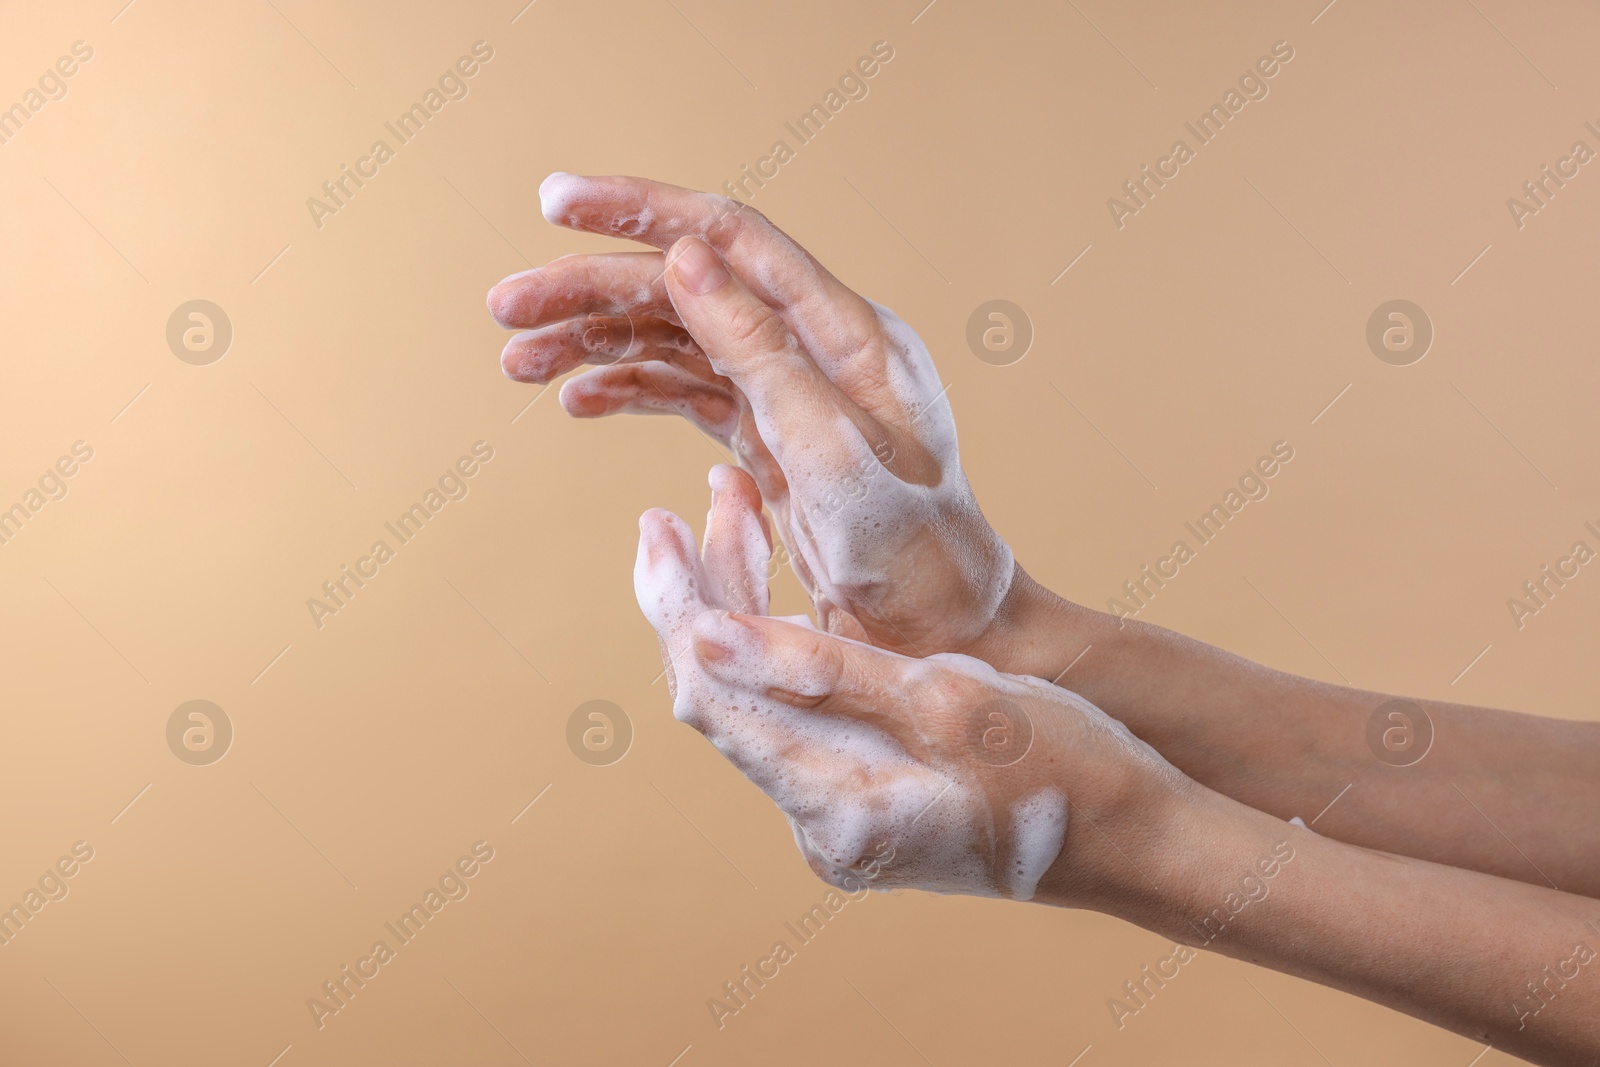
(710,650)
(699,268)
(711,637)
(721,635)
(723,479)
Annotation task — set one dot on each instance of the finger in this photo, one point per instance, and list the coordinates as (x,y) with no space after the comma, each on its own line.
(829,317)
(835,874)
(737,546)
(704,398)
(802,415)
(547,353)
(618,283)
(807,668)
(652,389)
(667,574)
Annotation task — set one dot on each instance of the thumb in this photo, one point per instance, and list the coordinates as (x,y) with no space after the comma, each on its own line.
(806,668)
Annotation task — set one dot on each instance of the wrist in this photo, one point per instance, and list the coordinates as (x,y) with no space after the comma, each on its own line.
(1034,632)
(1125,834)
(1174,857)
(1132,815)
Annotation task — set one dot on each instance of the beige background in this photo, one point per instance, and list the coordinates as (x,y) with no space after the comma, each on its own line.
(370,754)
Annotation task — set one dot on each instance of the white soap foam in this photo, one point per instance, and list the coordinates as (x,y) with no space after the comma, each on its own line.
(736,557)
(857,533)
(556,194)
(560,191)
(851,790)
(854,528)
(859,529)
(855,523)
(1038,826)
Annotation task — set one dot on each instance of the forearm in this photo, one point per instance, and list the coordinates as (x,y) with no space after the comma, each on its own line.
(1504,963)
(1496,791)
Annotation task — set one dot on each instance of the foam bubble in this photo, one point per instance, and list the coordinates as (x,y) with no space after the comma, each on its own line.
(1038,826)
(860,536)
(862,531)
(556,194)
(857,799)
(560,191)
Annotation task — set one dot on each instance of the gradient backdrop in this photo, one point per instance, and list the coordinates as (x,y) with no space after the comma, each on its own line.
(345,363)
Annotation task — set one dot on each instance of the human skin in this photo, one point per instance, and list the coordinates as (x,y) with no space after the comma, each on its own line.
(889,770)
(773,357)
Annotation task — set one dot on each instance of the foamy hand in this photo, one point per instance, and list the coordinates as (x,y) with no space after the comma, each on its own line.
(830,401)
(939,774)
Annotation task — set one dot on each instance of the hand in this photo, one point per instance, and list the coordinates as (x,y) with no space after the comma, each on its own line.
(938,774)
(830,401)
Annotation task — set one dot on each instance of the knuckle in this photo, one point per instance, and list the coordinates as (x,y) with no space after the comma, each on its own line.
(820,661)
(868,590)
(806,673)
(687,710)
(961,690)
(756,325)
(734,220)
(599,336)
(950,689)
